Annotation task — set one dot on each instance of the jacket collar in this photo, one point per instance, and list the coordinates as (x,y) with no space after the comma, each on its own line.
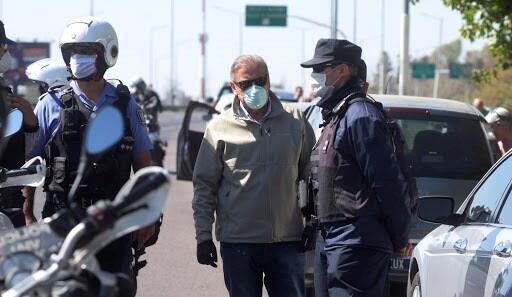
(333,97)
(277,106)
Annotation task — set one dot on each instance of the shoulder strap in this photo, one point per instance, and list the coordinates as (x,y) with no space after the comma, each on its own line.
(66,97)
(121,103)
(341,108)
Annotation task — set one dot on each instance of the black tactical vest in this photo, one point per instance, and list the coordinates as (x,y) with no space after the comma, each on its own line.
(106,175)
(340,189)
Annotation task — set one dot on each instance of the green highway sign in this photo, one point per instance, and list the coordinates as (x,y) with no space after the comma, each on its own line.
(460,70)
(423,70)
(268,16)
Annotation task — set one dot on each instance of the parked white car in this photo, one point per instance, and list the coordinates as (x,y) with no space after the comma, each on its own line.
(470,254)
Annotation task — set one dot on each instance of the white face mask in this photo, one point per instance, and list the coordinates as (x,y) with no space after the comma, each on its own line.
(317,81)
(82,66)
(5,62)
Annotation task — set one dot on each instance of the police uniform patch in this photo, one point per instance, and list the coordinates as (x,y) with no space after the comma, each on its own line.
(140,116)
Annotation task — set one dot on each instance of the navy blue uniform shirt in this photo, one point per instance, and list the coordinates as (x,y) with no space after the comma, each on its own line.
(362,137)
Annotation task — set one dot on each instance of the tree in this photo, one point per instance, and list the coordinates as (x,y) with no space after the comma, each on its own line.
(490,19)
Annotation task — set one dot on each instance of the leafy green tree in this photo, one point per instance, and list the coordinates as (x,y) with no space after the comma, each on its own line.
(489,19)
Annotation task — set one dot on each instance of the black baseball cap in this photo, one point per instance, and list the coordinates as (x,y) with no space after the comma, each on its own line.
(334,50)
(3,38)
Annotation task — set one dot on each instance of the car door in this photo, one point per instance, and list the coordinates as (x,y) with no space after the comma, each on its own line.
(498,252)
(197,115)
(487,241)
(456,265)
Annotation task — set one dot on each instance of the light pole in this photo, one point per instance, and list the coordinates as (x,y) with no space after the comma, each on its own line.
(438,52)
(334,19)
(303,54)
(354,35)
(404,49)
(151,31)
(203,37)
(381,64)
(171,54)
(92,7)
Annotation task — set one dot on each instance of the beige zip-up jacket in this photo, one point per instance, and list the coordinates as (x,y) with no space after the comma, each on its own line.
(247,174)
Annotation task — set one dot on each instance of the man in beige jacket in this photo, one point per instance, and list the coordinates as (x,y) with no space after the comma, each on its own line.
(247,172)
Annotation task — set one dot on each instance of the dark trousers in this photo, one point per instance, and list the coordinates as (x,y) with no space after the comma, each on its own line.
(280,266)
(320,279)
(350,271)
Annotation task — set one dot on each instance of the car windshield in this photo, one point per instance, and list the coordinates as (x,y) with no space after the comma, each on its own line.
(444,146)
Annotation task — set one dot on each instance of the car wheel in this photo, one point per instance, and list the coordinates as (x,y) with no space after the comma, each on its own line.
(414,289)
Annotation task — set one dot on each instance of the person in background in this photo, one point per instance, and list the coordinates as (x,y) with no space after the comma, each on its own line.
(501,124)
(15,152)
(299,94)
(479,104)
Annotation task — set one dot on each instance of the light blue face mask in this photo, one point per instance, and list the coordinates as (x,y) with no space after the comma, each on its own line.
(255,97)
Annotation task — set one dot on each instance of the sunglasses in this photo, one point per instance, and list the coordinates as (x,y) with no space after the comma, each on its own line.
(320,68)
(83,49)
(245,84)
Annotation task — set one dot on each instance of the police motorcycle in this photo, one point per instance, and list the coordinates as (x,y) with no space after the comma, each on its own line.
(30,174)
(56,257)
(150,106)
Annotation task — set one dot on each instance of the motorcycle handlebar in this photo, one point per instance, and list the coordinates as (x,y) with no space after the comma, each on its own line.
(150,183)
(32,169)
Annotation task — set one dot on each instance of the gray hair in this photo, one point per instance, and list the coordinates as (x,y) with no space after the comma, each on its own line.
(246,60)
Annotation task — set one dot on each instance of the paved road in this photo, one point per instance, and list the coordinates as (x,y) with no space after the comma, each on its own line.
(172,268)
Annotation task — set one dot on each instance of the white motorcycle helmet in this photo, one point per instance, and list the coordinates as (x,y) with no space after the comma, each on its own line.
(50,74)
(91,33)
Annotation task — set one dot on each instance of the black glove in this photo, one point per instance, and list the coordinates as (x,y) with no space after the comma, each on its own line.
(207,253)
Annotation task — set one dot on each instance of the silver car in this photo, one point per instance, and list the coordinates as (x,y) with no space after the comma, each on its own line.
(449,146)
(470,254)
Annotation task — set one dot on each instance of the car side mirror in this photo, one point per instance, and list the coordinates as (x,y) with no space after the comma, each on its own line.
(209,100)
(14,122)
(104,130)
(438,210)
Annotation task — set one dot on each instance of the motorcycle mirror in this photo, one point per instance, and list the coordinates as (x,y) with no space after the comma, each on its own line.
(105,130)
(14,122)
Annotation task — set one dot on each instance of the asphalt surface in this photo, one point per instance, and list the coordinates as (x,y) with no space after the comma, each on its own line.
(172,268)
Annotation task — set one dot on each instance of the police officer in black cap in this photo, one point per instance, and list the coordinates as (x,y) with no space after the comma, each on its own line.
(358,188)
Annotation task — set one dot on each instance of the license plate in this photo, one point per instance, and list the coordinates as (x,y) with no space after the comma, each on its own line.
(399,264)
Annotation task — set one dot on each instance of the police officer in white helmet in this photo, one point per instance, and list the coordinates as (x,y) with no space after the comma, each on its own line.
(89,47)
(49,74)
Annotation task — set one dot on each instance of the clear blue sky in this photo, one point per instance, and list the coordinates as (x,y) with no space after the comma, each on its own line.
(282,48)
